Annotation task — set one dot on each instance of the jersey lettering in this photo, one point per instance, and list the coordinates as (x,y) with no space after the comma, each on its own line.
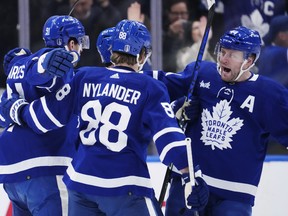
(17,72)
(111,90)
(249,103)
(269,8)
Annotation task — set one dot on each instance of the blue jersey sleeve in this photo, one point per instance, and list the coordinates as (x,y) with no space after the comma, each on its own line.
(44,80)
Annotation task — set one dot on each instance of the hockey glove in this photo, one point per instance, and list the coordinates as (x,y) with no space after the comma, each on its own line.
(56,62)
(10,110)
(189,111)
(196,197)
(12,54)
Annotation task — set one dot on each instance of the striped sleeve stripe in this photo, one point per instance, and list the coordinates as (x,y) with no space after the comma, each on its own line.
(35,120)
(167,130)
(49,114)
(169,147)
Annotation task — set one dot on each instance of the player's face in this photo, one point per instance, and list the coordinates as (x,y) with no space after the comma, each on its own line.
(230,62)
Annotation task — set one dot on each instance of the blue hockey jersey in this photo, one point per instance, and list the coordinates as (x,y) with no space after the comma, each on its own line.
(25,154)
(273,62)
(253,14)
(229,139)
(120,111)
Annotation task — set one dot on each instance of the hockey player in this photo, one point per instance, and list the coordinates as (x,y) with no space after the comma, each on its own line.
(239,110)
(31,164)
(120,111)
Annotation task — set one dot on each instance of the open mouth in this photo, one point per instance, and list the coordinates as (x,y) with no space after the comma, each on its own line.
(226,70)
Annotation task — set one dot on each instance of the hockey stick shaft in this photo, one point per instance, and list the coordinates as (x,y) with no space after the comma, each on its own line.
(211,11)
(73,7)
(165,184)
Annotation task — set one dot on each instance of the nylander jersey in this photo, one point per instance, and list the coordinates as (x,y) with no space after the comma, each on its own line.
(229,140)
(25,154)
(120,111)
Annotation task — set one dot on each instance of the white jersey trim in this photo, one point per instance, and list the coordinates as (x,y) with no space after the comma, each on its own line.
(168,147)
(231,186)
(167,130)
(150,206)
(34,162)
(63,194)
(107,183)
(35,120)
(49,114)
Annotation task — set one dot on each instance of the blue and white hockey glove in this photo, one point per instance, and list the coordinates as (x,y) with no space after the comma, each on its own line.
(196,197)
(12,54)
(189,111)
(10,110)
(56,62)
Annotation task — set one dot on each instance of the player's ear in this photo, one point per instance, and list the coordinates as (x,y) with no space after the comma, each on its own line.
(251,59)
(142,56)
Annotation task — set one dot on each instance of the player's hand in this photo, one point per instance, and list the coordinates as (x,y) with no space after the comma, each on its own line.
(134,12)
(196,197)
(10,110)
(56,62)
(190,111)
(12,54)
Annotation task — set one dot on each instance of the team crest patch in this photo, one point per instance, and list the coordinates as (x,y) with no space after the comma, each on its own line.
(218,127)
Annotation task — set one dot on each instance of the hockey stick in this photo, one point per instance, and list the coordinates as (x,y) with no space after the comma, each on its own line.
(73,6)
(190,166)
(211,11)
(165,184)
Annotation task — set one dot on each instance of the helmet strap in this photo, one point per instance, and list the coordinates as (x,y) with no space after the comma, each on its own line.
(241,69)
(140,66)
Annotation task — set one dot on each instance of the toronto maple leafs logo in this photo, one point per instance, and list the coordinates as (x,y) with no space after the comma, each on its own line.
(255,21)
(219,128)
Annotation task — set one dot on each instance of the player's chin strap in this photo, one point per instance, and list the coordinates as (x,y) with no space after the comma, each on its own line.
(241,69)
(140,66)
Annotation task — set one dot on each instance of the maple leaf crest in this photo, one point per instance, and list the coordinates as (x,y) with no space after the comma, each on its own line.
(218,128)
(255,21)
